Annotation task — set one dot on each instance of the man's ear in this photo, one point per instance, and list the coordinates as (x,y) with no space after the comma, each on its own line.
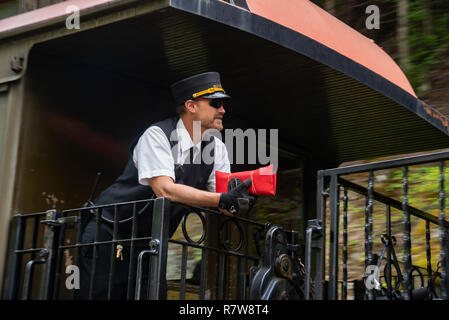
(190,106)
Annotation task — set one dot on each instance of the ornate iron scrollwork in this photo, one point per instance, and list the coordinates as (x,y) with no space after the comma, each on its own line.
(224,241)
(184,228)
(280,274)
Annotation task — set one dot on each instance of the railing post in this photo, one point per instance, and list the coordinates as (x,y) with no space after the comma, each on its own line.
(51,237)
(344,288)
(318,245)
(333,246)
(12,282)
(313,233)
(388,270)
(159,235)
(406,291)
(28,276)
(113,259)
(443,235)
(369,230)
(429,261)
(132,263)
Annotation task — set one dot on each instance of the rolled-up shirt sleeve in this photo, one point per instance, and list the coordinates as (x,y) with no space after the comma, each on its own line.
(152,155)
(221,163)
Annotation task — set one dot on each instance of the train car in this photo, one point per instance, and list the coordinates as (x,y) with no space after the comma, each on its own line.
(80,79)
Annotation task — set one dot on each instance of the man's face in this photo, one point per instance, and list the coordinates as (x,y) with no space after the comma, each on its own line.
(210,117)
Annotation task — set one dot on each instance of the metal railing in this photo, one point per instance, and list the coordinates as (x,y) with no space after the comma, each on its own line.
(329,186)
(47,241)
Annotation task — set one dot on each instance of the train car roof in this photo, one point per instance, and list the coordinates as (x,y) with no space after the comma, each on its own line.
(325,81)
(302,16)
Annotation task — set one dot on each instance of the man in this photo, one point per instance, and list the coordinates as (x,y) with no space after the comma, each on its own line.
(165,161)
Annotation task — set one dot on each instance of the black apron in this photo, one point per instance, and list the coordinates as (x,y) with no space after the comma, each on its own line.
(127,188)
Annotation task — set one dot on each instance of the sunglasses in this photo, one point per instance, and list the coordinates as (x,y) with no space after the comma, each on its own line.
(216,103)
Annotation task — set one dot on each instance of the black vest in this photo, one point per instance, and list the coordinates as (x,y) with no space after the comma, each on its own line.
(127,188)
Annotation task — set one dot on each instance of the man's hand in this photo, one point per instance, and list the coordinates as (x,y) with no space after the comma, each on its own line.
(237,200)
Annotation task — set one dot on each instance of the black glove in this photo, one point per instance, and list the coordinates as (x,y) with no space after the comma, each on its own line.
(237,199)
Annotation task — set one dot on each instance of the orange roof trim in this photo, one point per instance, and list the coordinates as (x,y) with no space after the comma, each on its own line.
(310,20)
(301,16)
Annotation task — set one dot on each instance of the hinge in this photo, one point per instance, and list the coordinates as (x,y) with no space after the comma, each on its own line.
(54,219)
(17,64)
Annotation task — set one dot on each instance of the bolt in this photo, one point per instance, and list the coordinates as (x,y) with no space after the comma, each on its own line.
(285,264)
(17,64)
(44,253)
(283,295)
(280,238)
(154,244)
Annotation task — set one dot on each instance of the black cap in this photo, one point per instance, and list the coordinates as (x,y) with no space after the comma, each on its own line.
(204,85)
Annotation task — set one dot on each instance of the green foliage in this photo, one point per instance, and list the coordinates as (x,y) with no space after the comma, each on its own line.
(428,38)
(9,8)
(423,187)
(426,49)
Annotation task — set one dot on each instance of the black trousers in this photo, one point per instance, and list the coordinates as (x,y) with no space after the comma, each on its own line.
(119,283)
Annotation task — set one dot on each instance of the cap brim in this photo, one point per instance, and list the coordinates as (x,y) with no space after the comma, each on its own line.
(216,95)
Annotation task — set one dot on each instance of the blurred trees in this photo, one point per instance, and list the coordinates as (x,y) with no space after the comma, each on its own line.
(414,32)
(28,5)
(429,39)
(402,33)
(329,6)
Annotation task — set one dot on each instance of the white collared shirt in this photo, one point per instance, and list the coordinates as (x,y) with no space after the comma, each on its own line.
(153,156)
